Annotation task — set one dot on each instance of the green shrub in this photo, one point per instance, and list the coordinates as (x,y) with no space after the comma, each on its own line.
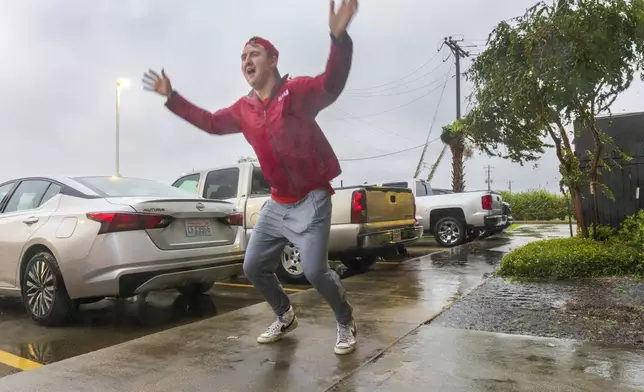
(537,205)
(631,231)
(604,232)
(569,258)
(631,234)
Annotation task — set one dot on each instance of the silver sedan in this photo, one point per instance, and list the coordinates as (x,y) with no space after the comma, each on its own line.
(66,241)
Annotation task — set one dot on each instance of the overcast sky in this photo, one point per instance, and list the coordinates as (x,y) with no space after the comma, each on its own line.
(61,58)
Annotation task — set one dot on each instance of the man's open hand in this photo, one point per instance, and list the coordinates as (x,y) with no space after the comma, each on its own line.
(160,84)
(339,20)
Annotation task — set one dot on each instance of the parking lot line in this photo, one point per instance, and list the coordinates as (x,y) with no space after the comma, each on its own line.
(250,286)
(18,362)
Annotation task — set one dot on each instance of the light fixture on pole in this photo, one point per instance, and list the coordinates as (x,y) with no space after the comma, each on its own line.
(120,84)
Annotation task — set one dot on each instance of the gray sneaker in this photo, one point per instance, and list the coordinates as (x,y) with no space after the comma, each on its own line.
(346,340)
(283,325)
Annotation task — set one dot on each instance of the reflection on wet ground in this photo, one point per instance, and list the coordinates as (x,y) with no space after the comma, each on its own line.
(542,231)
(110,322)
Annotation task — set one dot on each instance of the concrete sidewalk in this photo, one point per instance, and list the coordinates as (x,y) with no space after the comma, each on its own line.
(221,353)
(453,360)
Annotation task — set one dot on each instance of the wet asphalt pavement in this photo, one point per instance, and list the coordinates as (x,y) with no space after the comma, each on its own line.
(111,322)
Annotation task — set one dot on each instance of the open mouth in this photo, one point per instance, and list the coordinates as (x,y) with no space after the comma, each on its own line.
(250,71)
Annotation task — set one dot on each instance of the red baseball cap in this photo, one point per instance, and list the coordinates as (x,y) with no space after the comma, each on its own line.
(272,50)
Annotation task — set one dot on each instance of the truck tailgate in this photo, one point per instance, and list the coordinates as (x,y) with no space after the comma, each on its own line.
(389,204)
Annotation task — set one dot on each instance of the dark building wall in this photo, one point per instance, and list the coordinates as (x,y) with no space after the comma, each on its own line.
(627,130)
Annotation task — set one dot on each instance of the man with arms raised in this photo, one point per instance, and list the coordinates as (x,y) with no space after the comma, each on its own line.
(277,118)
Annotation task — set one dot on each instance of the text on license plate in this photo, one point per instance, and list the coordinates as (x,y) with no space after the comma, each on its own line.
(396,235)
(198,228)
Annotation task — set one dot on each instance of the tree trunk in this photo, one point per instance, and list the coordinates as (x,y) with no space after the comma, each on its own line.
(575,189)
(594,174)
(458,180)
(575,193)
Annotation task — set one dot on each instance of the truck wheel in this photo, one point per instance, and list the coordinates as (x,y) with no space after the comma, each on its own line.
(290,268)
(194,289)
(449,232)
(44,293)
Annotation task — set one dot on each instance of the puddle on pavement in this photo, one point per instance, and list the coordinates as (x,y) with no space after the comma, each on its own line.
(102,324)
(475,252)
(541,231)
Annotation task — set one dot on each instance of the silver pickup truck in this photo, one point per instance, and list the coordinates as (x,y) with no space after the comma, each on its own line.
(455,218)
(366,222)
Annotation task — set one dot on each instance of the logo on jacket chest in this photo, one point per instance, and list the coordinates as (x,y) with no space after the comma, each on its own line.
(282,96)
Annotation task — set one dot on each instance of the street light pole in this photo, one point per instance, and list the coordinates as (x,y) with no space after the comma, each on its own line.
(120,84)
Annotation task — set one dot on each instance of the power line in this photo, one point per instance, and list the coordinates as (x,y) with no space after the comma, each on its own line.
(394,108)
(368,93)
(378,93)
(431,127)
(370,124)
(388,154)
(397,80)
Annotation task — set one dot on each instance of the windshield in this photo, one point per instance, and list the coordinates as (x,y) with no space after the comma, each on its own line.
(130,187)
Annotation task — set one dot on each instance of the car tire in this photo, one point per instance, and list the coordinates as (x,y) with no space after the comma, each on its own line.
(290,266)
(449,232)
(44,294)
(197,288)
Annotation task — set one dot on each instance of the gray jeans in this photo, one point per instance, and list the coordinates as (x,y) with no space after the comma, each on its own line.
(306,224)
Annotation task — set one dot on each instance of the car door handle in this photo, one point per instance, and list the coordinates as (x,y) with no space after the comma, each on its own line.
(31,220)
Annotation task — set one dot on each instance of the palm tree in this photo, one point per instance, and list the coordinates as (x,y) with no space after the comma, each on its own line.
(454,138)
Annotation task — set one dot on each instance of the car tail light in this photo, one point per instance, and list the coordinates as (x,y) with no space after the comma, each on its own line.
(359,207)
(236,219)
(486,202)
(127,221)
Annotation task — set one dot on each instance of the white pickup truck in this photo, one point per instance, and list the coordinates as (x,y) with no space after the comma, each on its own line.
(366,221)
(455,218)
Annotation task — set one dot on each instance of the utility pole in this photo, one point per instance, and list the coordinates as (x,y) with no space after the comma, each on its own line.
(510,185)
(458,52)
(489,168)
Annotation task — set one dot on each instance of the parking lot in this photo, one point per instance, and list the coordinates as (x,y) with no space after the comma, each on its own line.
(26,346)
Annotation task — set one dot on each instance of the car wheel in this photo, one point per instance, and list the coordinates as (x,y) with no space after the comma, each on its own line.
(43,291)
(449,232)
(290,268)
(197,288)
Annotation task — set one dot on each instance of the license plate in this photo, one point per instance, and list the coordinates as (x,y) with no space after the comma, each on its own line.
(198,228)
(396,236)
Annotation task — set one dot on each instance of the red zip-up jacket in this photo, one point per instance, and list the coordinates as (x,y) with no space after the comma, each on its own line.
(295,156)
